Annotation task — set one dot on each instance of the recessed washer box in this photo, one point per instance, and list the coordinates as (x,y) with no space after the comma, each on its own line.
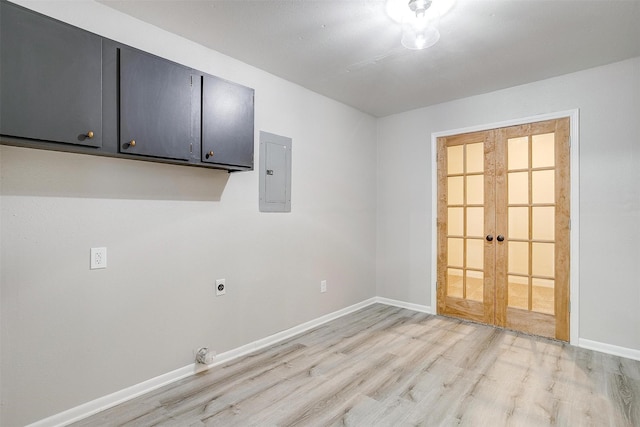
(275,173)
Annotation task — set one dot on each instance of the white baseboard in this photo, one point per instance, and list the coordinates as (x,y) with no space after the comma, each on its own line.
(288,333)
(410,306)
(615,350)
(100,404)
(93,407)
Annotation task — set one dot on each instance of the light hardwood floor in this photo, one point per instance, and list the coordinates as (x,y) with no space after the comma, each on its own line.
(386,366)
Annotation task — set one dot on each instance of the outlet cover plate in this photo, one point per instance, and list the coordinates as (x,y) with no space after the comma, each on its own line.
(221,287)
(98,258)
(323,286)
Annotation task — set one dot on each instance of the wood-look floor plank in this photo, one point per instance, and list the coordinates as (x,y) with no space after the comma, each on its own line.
(386,366)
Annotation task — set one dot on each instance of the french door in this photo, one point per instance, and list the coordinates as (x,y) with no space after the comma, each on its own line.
(503,227)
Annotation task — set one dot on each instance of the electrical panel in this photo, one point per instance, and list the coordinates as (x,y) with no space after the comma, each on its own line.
(275,173)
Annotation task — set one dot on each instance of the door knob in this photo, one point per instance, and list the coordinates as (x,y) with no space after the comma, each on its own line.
(489,238)
(500,238)
(209,154)
(90,134)
(132,143)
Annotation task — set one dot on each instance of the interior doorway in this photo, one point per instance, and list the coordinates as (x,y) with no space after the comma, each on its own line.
(503,227)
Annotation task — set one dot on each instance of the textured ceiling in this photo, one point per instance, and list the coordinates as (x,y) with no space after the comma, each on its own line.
(350,50)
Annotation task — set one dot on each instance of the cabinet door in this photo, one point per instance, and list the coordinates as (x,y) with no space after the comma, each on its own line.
(156,107)
(50,79)
(227,122)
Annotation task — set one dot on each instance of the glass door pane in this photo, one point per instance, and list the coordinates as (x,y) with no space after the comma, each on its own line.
(465,220)
(531,222)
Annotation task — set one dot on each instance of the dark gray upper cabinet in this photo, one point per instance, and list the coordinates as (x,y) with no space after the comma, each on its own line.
(63,88)
(50,79)
(156,103)
(227,122)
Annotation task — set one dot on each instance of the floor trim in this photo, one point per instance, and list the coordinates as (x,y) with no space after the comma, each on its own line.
(100,404)
(615,350)
(93,407)
(410,306)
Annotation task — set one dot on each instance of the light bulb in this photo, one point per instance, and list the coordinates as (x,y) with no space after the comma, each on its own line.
(419,38)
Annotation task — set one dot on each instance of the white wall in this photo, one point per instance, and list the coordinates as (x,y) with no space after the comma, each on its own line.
(71,335)
(609,101)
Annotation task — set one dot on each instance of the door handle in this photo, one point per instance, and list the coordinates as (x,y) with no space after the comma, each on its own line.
(489,238)
(500,238)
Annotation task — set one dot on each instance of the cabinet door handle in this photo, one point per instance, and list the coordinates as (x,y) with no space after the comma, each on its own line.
(132,143)
(209,154)
(489,238)
(90,134)
(500,238)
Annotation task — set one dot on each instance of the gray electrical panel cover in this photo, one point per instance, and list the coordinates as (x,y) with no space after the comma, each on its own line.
(275,173)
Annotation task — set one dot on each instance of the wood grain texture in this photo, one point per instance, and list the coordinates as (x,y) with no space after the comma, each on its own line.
(557,325)
(441,222)
(491,184)
(501,299)
(501,251)
(562,227)
(386,366)
(460,305)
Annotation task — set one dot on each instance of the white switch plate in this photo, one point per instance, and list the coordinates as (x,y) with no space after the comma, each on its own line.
(98,258)
(323,286)
(221,287)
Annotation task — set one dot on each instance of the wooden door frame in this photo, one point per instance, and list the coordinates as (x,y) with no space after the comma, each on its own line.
(574,239)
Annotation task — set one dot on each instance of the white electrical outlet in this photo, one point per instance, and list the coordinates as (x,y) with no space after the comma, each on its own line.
(323,286)
(221,287)
(98,258)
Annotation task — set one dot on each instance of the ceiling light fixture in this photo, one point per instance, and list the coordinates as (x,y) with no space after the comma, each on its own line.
(419,7)
(419,38)
(417,32)
(398,11)
(419,20)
